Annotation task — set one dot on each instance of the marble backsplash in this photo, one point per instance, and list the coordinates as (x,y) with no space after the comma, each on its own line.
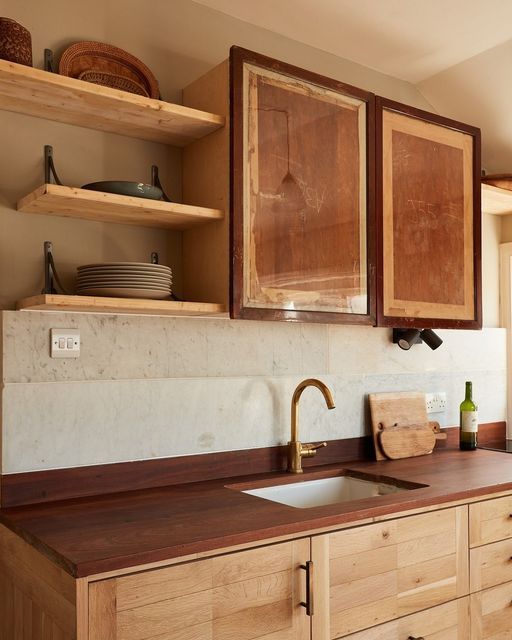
(148,387)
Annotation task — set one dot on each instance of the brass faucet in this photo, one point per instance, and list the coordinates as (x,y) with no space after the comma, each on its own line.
(297,450)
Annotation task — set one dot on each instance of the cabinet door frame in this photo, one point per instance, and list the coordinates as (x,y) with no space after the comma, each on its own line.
(383,320)
(238,58)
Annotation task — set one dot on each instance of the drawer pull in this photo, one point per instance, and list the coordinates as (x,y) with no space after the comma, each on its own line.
(415,638)
(309,604)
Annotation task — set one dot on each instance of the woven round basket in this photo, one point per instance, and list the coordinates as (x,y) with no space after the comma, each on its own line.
(15,42)
(107,59)
(114,80)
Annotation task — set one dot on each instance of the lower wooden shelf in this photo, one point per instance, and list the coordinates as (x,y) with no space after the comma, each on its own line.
(71,202)
(93,304)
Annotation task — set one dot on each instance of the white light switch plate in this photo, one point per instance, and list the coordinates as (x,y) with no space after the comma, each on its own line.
(64,343)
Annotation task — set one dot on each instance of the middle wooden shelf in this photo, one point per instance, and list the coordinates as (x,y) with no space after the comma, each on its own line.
(71,202)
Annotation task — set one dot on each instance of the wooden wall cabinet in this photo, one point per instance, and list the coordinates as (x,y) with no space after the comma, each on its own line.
(429,220)
(301,194)
(345,207)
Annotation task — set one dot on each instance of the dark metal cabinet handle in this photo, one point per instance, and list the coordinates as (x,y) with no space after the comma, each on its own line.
(309,604)
(415,638)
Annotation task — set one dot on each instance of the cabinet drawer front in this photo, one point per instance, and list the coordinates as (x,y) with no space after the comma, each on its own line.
(448,621)
(387,570)
(491,613)
(490,565)
(242,596)
(490,521)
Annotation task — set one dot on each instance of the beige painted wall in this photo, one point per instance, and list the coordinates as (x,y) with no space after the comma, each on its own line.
(477,91)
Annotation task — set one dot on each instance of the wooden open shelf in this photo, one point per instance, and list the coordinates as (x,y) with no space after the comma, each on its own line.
(70,202)
(96,304)
(55,97)
(496,200)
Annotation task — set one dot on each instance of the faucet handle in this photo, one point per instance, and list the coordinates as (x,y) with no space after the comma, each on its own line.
(309,450)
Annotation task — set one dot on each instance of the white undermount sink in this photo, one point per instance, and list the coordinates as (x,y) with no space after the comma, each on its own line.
(323,491)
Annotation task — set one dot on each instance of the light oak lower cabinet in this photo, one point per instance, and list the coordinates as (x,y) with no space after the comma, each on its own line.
(448,621)
(490,537)
(241,596)
(382,571)
(491,613)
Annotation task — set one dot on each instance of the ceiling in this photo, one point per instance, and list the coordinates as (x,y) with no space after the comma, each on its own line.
(408,39)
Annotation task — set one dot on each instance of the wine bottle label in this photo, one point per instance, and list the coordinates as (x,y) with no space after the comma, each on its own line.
(469,421)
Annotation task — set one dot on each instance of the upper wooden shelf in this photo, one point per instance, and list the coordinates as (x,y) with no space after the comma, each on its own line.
(55,97)
(496,200)
(70,202)
(96,304)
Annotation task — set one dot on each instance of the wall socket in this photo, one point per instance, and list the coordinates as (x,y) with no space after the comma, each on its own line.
(436,402)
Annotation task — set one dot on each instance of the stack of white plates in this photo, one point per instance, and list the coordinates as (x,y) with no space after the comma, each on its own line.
(125,280)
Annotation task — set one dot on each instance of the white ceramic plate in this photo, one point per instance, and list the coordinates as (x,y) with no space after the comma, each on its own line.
(124,286)
(124,265)
(123,278)
(118,292)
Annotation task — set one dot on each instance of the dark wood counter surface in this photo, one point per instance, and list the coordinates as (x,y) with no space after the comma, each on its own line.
(87,536)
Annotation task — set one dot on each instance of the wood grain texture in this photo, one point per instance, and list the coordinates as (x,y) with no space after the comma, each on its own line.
(71,202)
(407,441)
(496,200)
(37,598)
(278,244)
(242,596)
(491,613)
(490,521)
(448,621)
(63,484)
(97,304)
(387,570)
(55,97)
(417,218)
(395,409)
(491,564)
(88,536)
(205,181)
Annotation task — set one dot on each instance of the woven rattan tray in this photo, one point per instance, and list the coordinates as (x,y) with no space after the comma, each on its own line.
(107,60)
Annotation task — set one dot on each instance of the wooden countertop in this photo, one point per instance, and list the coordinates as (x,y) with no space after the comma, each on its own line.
(88,536)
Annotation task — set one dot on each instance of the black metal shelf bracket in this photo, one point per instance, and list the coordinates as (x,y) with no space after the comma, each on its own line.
(155,182)
(50,173)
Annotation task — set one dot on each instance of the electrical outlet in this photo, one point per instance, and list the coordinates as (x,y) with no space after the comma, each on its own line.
(436,402)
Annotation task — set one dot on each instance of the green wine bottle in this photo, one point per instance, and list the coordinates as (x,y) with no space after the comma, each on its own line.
(468,421)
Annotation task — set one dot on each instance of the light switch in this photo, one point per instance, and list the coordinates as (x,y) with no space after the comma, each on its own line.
(64,343)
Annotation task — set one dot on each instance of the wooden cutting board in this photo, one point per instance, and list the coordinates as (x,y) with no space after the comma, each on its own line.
(407,442)
(399,409)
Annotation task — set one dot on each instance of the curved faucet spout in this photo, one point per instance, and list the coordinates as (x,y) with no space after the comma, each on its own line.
(310,382)
(297,451)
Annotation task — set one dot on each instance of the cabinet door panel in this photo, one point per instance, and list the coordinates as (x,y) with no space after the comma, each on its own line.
(387,570)
(248,595)
(428,219)
(302,194)
(490,521)
(491,613)
(448,621)
(491,565)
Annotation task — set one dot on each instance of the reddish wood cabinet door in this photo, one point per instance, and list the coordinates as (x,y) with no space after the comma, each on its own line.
(302,197)
(428,220)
